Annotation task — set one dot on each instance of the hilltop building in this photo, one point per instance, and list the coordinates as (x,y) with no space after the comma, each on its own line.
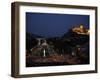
(81,30)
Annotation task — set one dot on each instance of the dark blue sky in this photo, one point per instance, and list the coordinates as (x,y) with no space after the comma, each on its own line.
(51,25)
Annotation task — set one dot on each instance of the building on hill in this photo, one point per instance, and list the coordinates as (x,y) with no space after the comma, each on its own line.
(81,30)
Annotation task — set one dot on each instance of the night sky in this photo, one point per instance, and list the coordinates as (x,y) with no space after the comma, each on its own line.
(53,25)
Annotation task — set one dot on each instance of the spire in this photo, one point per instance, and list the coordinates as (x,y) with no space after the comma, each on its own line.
(81,26)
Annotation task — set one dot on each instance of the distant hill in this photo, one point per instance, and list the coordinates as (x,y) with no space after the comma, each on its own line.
(77,35)
(33,35)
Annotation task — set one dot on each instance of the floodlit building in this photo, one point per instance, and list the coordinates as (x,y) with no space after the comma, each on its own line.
(81,30)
